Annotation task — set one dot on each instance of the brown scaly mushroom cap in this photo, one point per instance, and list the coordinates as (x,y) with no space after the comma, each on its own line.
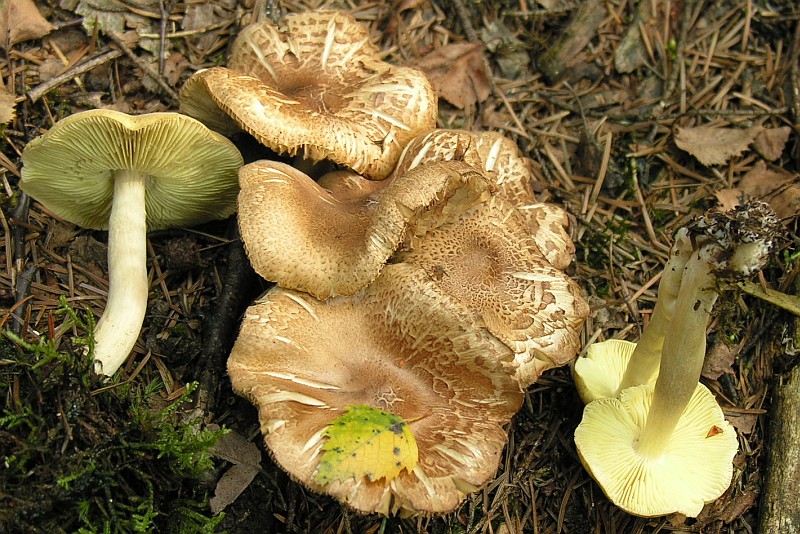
(316,86)
(334,242)
(500,160)
(398,347)
(488,261)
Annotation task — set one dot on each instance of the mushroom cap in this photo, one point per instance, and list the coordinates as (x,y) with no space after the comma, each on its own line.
(695,468)
(501,161)
(334,241)
(192,171)
(598,373)
(488,260)
(316,86)
(395,347)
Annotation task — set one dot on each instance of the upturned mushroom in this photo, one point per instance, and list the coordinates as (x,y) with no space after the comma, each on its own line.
(500,160)
(666,448)
(315,86)
(103,169)
(401,347)
(487,259)
(334,241)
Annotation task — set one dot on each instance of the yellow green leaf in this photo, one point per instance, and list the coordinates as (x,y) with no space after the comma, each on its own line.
(366,442)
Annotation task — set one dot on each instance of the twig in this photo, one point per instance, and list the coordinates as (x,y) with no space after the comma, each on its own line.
(43,88)
(147,69)
(219,329)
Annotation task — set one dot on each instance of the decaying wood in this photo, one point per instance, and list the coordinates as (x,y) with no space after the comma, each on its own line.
(780,501)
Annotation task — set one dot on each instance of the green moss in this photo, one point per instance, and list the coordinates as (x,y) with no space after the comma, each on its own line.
(77,458)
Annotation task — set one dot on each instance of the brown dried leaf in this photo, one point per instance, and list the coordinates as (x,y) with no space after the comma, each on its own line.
(457,72)
(729,198)
(714,145)
(719,360)
(777,187)
(20,20)
(7,103)
(231,485)
(770,142)
(246,458)
(743,422)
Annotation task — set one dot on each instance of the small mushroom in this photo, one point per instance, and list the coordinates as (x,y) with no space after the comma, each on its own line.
(334,241)
(673,428)
(316,86)
(400,347)
(500,160)
(488,260)
(104,169)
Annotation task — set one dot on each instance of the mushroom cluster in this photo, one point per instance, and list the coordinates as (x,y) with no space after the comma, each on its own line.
(652,435)
(420,283)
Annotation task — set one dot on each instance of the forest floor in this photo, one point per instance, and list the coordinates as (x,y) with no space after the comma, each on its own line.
(637,117)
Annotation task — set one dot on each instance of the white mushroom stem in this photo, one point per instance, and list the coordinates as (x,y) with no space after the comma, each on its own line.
(119,327)
(647,355)
(682,356)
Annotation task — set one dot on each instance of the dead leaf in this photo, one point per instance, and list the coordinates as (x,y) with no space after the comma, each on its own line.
(714,145)
(232,483)
(246,460)
(457,72)
(770,142)
(394,22)
(7,104)
(743,422)
(777,187)
(20,20)
(719,360)
(114,15)
(729,198)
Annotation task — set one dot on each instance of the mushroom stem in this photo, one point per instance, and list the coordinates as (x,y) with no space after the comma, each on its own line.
(735,244)
(121,322)
(682,356)
(647,354)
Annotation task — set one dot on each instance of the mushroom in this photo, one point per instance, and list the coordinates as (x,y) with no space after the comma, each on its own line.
(694,466)
(334,241)
(488,260)
(316,86)
(103,169)
(611,366)
(500,160)
(399,346)
(675,436)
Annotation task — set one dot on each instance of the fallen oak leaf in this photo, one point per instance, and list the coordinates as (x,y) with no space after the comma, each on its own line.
(714,145)
(458,73)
